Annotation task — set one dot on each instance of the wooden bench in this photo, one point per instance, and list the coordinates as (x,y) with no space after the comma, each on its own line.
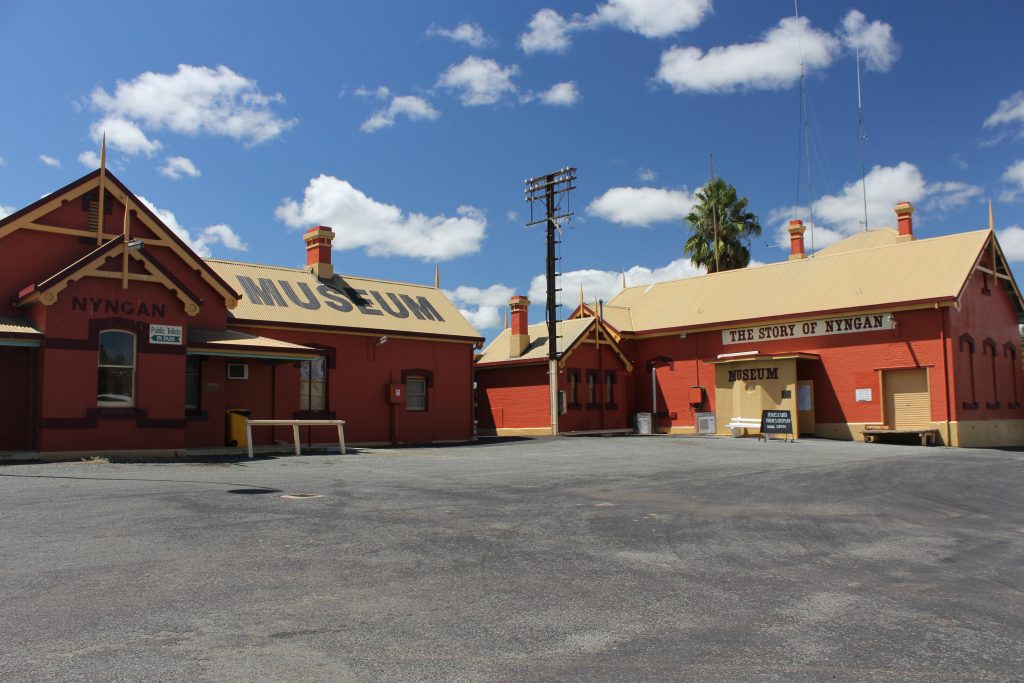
(739,423)
(295,424)
(929,437)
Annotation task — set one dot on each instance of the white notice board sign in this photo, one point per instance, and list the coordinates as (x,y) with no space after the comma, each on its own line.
(863,395)
(165,334)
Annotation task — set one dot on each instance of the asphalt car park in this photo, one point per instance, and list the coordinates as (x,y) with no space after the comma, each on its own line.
(656,558)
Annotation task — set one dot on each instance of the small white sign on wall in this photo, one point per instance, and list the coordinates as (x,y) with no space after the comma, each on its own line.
(863,395)
(165,334)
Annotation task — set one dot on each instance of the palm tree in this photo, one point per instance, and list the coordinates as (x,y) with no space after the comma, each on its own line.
(721,227)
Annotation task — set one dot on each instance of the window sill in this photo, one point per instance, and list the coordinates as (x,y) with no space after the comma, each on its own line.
(593,406)
(969,406)
(197,415)
(1013,406)
(611,406)
(575,406)
(993,406)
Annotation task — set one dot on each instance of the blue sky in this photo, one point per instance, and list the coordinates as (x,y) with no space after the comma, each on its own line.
(410,126)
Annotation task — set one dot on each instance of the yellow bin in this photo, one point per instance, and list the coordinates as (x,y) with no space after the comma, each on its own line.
(235,427)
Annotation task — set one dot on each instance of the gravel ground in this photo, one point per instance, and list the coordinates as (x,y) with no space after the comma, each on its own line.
(624,558)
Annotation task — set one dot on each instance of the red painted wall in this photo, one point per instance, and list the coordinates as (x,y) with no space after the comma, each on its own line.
(512,397)
(984,317)
(359,372)
(516,396)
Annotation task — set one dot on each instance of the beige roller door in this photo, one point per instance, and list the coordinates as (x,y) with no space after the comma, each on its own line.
(907,403)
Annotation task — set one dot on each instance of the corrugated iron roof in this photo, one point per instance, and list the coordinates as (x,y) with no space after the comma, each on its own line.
(296,297)
(921,270)
(867,239)
(569,331)
(17,326)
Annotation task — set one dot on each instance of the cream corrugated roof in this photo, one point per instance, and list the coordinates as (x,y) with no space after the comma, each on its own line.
(16,326)
(904,272)
(234,338)
(568,332)
(866,239)
(291,296)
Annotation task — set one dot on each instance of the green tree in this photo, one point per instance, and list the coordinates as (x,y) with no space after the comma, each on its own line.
(721,228)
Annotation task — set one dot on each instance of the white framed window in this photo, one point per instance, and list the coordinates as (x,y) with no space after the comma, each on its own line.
(313,384)
(116,384)
(416,393)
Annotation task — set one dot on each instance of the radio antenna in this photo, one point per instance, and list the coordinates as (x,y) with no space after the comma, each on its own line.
(861,137)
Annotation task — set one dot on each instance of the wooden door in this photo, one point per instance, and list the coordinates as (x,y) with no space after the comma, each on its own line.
(805,406)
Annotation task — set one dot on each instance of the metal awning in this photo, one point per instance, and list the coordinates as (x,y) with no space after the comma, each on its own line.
(235,344)
(18,332)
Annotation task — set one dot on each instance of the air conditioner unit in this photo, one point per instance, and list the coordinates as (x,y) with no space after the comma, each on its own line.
(238,371)
(706,423)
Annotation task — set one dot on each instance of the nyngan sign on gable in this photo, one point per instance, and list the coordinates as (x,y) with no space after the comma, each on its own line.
(809,328)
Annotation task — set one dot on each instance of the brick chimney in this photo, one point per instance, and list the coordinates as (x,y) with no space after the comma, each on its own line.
(519,339)
(796,240)
(318,251)
(904,212)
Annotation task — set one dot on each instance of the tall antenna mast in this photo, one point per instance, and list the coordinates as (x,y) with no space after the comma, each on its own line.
(546,188)
(861,137)
(806,127)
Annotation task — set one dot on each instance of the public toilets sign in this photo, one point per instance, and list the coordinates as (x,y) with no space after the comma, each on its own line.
(809,328)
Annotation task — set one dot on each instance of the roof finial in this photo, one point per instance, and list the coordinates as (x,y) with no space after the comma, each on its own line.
(506,318)
(623,278)
(103,177)
(991,220)
(581,298)
(437,276)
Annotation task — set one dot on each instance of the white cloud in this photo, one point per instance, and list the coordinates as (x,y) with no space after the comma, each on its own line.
(647,175)
(124,135)
(221,234)
(480,306)
(412,107)
(1014,175)
(945,196)
(361,222)
(481,81)
(840,215)
(874,40)
(604,284)
(470,34)
(380,92)
(773,63)
(547,32)
(1011,239)
(49,161)
(512,216)
(3,162)
(563,94)
(641,206)
(653,18)
(200,243)
(6,211)
(176,167)
(958,160)
(195,100)
(89,159)
(1010,110)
